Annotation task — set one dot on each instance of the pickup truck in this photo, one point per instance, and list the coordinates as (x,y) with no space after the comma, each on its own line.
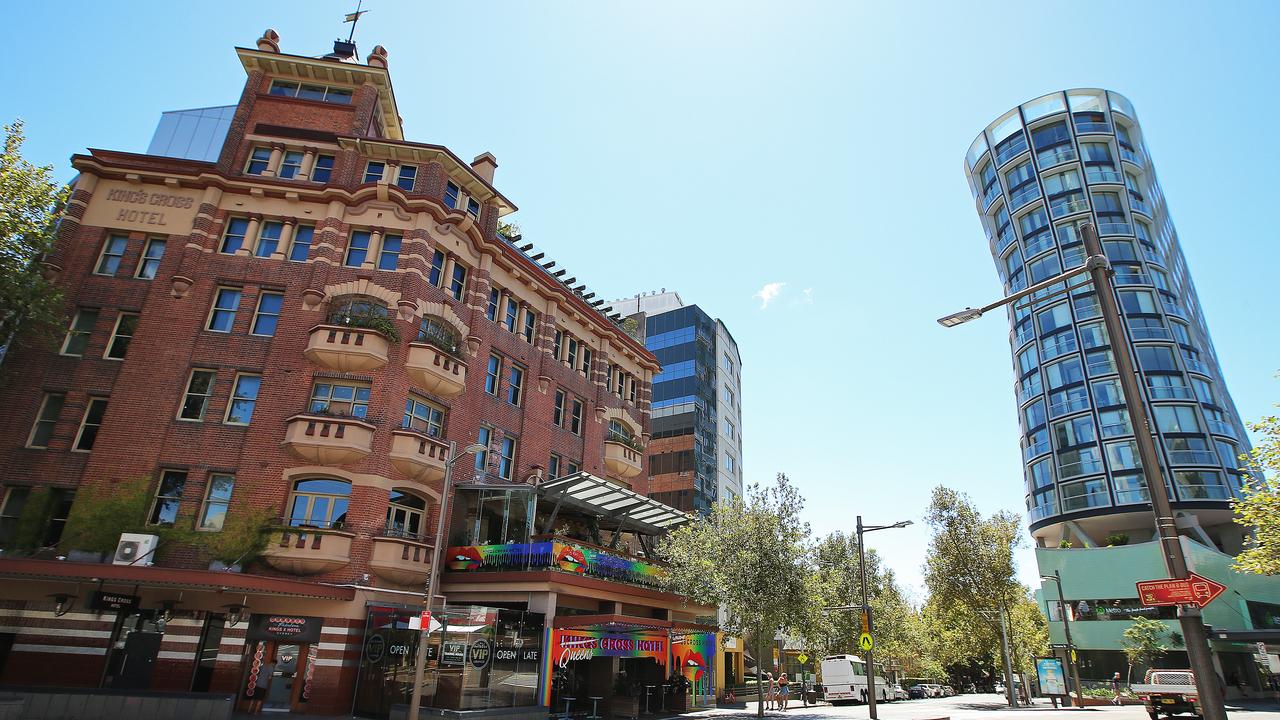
(1169,692)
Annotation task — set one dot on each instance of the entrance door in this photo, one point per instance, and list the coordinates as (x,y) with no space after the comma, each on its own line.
(280,694)
(140,651)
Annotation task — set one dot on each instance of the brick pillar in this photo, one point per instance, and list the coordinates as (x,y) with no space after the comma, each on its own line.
(229,162)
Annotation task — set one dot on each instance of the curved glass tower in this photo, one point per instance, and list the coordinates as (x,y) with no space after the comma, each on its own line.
(1038,173)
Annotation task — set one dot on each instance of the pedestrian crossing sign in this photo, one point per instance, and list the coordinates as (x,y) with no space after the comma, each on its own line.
(865,642)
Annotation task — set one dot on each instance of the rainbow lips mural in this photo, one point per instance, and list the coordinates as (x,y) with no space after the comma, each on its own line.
(693,666)
(571,559)
(466,557)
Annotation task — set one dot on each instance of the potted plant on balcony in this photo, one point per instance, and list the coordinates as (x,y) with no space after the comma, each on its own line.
(446,345)
(367,320)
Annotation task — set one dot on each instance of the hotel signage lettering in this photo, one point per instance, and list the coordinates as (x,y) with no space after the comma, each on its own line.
(148,208)
(286,628)
(101,600)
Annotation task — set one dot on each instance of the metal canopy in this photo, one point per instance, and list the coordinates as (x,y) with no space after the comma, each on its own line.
(606,499)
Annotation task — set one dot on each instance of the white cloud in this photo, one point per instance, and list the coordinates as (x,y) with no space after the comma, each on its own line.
(808,296)
(768,293)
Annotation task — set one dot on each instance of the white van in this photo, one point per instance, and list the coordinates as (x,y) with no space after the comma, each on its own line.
(844,680)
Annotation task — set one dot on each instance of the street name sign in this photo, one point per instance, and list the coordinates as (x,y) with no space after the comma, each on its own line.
(1192,590)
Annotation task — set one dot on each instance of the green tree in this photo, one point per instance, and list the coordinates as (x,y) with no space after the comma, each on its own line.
(98,519)
(1259,505)
(30,205)
(970,574)
(750,557)
(1144,643)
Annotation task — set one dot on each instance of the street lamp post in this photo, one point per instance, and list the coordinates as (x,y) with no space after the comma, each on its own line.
(1066,630)
(1010,689)
(1193,631)
(866,608)
(433,584)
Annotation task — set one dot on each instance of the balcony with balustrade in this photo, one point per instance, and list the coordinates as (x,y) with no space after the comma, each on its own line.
(347,348)
(436,369)
(401,559)
(418,455)
(327,439)
(308,550)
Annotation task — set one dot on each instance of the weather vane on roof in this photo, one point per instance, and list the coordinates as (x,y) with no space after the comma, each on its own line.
(354,18)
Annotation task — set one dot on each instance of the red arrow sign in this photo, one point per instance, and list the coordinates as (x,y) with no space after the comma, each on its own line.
(1194,590)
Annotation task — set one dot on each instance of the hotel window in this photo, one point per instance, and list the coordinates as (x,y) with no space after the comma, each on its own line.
(557,410)
(196,399)
(557,344)
(491,311)
(452,195)
(323,169)
(485,438)
(437,268)
(150,262)
(405,513)
(319,502)
(126,325)
(217,499)
(223,315)
(89,425)
(491,375)
(290,164)
(586,362)
(268,238)
(553,467)
(512,314)
(389,254)
(515,385)
(373,171)
(573,352)
(473,208)
(408,174)
(530,325)
(423,416)
(343,398)
(259,160)
(458,283)
(301,248)
(112,252)
(46,419)
(244,395)
(357,248)
(506,457)
(631,389)
(15,499)
(78,335)
(339,96)
(233,238)
(267,316)
(164,509)
(575,418)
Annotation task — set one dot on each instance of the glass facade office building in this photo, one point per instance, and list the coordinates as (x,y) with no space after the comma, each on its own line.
(1039,173)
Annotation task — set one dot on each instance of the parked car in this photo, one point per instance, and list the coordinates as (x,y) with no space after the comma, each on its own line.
(898,693)
(999,688)
(918,692)
(935,690)
(947,691)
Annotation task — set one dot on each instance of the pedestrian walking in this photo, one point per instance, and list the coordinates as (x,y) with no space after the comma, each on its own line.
(766,692)
(784,689)
(1115,689)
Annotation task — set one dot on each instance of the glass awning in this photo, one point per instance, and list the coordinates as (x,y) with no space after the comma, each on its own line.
(586,493)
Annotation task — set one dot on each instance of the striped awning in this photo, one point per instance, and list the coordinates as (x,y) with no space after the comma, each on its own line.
(608,500)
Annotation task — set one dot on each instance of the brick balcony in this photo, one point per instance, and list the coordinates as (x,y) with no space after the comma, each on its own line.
(621,459)
(346,349)
(435,370)
(402,561)
(420,457)
(308,551)
(326,440)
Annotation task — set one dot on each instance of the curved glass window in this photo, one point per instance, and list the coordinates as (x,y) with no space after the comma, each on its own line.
(1121,104)
(1053,144)
(319,502)
(1176,419)
(1073,432)
(1115,423)
(1083,461)
(1131,489)
(1035,415)
(1053,319)
(1040,474)
(439,333)
(1066,372)
(1044,268)
(1065,191)
(1200,485)
(1093,335)
(348,309)
(619,431)
(1043,107)
(406,514)
(1107,393)
(976,150)
(1022,184)
(1137,301)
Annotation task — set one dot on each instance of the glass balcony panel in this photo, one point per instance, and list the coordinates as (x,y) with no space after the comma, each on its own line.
(1139,205)
(1086,466)
(1150,333)
(1132,279)
(1059,345)
(1024,196)
(1041,512)
(1197,366)
(990,196)
(1131,156)
(1151,256)
(1101,366)
(1103,175)
(1163,392)
(1087,308)
(1039,244)
(1069,405)
(1012,150)
(1192,457)
(1004,240)
(1203,492)
(1092,127)
(1085,501)
(1067,206)
(1124,497)
(1171,308)
(1024,335)
(1055,156)
(1115,229)
(1219,427)
(1035,450)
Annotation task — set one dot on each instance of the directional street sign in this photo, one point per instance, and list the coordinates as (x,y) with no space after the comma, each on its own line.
(865,642)
(1193,590)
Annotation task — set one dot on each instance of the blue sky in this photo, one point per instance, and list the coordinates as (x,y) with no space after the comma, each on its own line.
(719,147)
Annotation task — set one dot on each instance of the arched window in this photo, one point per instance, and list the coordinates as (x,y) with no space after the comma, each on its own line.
(619,432)
(439,333)
(319,502)
(351,309)
(406,515)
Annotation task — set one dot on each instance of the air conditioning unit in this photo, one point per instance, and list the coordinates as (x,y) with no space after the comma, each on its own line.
(135,549)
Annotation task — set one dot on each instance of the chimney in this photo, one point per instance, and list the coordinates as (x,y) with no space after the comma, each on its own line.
(270,41)
(378,58)
(484,165)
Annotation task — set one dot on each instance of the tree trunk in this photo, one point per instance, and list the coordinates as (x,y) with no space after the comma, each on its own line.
(759,679)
